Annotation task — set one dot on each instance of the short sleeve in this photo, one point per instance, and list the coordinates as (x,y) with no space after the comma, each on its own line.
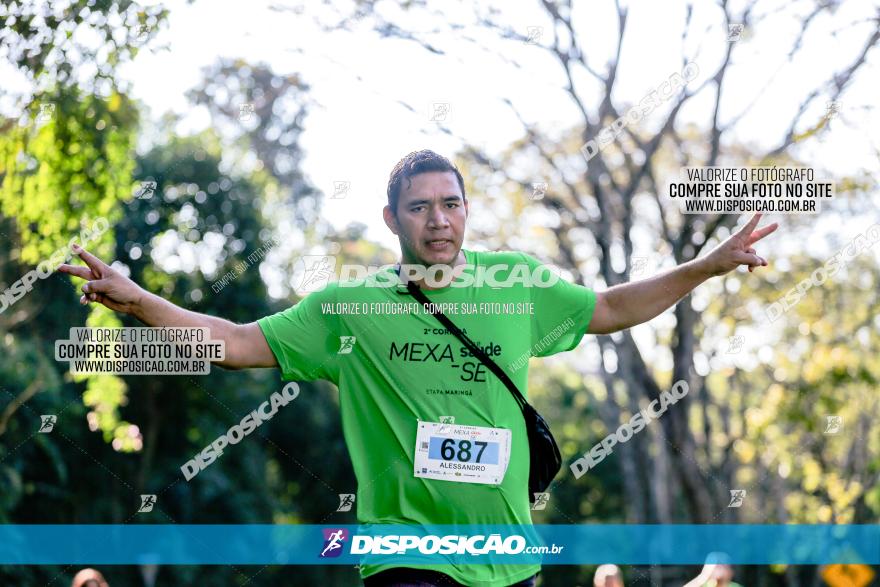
(303,339)
(562,311)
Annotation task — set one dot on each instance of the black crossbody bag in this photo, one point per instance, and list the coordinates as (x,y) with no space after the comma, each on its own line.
(544,458)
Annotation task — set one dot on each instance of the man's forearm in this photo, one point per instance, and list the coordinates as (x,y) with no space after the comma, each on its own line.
(153,310)
(245,344)
(639,301)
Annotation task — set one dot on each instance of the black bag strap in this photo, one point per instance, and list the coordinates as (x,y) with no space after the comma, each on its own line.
(417,293)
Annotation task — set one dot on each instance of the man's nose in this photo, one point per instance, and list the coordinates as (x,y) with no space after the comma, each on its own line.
(437,217)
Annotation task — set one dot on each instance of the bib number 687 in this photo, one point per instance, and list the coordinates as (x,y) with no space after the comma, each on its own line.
(464,453)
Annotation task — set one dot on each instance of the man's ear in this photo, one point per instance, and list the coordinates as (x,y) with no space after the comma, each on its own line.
(390,220)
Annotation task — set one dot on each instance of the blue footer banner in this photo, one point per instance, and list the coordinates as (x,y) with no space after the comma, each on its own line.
(585,544)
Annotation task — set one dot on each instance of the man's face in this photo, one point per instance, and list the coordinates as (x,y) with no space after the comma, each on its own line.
(430,221)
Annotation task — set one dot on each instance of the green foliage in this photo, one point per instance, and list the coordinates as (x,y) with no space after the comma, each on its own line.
(44,39)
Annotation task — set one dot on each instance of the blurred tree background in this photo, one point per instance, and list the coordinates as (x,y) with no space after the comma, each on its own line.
(187,209)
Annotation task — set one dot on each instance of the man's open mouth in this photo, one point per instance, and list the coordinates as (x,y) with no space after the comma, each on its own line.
(438,245)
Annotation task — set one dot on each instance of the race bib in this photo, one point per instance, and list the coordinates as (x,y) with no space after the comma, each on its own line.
(467,454)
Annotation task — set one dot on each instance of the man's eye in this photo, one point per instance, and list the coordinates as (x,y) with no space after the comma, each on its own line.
(453,204)
(416,209)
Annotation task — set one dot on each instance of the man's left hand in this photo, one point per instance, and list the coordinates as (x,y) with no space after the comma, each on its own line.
(737,249)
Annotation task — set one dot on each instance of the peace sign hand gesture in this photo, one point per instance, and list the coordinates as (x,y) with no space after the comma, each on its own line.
(737,249)
(104,284)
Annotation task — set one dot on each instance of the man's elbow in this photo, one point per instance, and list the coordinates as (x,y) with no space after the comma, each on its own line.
(246,348)
(228,366)
(232,357)
(601,328)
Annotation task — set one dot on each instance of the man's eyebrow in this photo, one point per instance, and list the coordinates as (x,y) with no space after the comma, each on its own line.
(424,201)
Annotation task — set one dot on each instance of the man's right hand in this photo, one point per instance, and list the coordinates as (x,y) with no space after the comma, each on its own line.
(246,345)
(104,284)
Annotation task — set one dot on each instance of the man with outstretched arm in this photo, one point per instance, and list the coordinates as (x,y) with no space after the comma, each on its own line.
(400,374)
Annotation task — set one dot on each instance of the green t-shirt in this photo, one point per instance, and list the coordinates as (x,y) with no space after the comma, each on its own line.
(402,368)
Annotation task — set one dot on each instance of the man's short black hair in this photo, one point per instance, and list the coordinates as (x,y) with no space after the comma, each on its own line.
(413,164)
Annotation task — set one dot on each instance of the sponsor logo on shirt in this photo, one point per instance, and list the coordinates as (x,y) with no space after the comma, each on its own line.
(421,352)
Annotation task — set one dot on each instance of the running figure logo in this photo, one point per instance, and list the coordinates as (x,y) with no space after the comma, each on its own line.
(441,111)
(47,423)
(146,191)
(638,265)
(533,34)
(245,111)
(833,424)
(447,422)
(832,109)
(735,343)
(541,500)
(333,540)
(316,272)
(340,189)
(346,344)
(736,498)
(346,500)
(46,112)
(734,32)
(147,503)
(538,190)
